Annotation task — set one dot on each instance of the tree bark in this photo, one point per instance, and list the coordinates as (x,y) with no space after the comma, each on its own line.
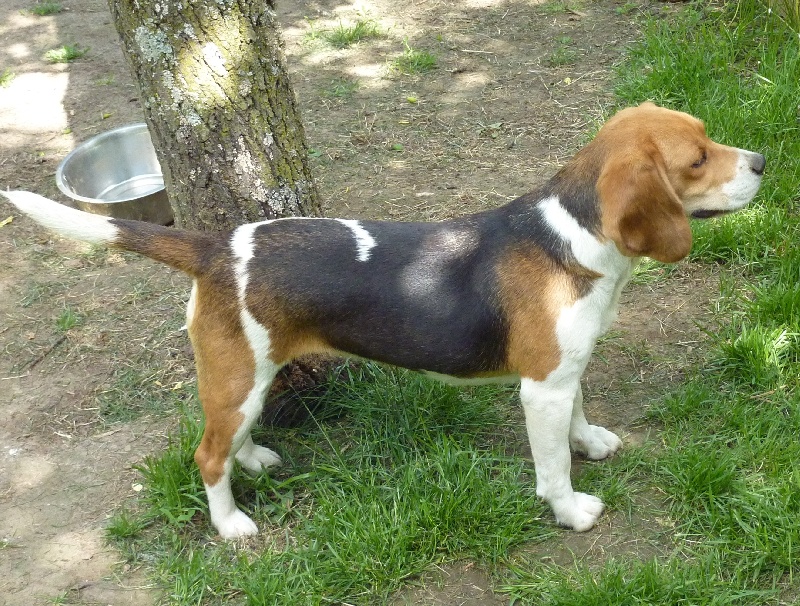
(226,128)
(220,109)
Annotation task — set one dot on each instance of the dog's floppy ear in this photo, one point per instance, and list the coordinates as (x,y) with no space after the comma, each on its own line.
(640,210)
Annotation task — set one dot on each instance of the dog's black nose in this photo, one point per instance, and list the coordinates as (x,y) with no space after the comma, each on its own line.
(758,163)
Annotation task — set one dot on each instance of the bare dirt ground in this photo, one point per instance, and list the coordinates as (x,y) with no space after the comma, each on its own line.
(91,350)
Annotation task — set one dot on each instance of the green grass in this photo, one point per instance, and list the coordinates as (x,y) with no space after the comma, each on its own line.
(341,88)
(630,584)
(68,318)
(555,7)
(62,598)
(414,61)
(65,54)
(406,474)
(344,36)
(563,54)
(627,8)
(45,8)
(125,525)
(135,390)
(6,76)
(788,10)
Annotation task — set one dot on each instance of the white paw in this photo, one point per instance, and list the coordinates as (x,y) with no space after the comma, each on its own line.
(236,525)
(579,512)
(257,458)
(595,442)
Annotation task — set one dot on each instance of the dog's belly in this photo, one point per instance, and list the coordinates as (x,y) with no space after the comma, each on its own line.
(467,350)
(500,379)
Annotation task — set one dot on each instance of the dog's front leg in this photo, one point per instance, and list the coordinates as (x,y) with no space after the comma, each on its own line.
(591,440)
(548,413)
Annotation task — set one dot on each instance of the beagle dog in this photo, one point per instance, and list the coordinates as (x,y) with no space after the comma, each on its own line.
(518,293)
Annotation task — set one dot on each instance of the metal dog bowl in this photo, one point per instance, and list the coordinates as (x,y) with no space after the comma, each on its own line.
(117,174)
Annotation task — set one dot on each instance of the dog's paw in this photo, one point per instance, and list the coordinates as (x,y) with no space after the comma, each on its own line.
(236,525)
(595,442)
(257,458)
(580,512)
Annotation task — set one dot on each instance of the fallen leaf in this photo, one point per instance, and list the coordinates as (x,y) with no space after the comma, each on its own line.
(5,222)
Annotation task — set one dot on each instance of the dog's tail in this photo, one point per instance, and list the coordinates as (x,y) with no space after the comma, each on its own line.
(188,251)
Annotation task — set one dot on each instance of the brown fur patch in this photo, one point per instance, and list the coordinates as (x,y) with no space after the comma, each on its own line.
(191,252)
(225,373)
(288,344)
(718,169)
(656,164)
(641,211)
(291,333)
(533,292)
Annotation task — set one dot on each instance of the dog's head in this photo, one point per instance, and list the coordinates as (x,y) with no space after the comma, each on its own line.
(659,167)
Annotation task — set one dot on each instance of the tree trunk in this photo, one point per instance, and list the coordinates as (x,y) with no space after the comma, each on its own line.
(220,109)
(226,129)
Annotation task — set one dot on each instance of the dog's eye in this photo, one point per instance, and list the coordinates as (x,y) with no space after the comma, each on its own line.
(701,161)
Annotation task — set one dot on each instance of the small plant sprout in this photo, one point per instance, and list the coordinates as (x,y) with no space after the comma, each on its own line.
(314,33)
(66,53)
(343,36)
(414,61)
(341,88)
(43,9)
(563,54)
(67,319)
(6,76)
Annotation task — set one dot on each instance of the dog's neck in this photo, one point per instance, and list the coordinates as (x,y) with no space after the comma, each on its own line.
(566,212)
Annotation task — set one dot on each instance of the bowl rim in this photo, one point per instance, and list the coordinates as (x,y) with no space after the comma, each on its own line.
(133,127)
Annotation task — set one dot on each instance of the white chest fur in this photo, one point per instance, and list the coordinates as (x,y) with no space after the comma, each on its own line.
(579,326)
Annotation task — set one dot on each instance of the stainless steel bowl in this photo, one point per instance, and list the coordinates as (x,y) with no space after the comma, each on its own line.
(117,174)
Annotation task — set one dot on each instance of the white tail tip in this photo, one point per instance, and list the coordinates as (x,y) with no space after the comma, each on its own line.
(63,220)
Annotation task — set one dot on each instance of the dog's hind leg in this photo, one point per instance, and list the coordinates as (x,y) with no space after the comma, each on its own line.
(256,459)
(234,375)
(252,457)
